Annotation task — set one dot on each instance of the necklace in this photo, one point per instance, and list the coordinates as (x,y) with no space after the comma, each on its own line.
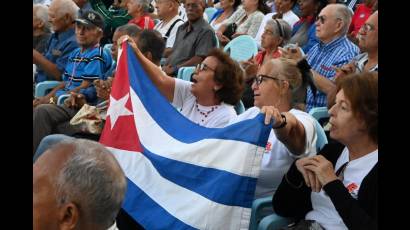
(206,113)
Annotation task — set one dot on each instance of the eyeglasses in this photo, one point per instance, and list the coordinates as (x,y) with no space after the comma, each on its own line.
(259,79)
(367,28)
(203,67)
(322,19)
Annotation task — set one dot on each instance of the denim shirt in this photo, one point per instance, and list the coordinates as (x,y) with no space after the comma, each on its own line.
(60,45)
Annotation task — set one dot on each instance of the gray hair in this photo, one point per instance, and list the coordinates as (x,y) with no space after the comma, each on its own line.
(92,178)
(40,11)
(66,7)
(345,14)
(129,29)
(144,3)
(280,27)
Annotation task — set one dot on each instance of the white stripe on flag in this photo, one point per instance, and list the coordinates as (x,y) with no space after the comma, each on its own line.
(185,205)
(230,155)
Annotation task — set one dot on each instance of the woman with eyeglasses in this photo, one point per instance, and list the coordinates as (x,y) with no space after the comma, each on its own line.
(304,30)
(217,85)
(337,189)
(293,135)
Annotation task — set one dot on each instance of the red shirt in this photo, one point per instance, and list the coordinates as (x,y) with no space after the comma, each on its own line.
(261,55)
(144,22)
(359,18)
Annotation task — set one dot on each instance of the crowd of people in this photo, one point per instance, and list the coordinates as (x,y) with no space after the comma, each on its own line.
(311,53)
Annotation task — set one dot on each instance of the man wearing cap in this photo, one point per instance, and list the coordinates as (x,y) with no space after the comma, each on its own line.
(51,63)
(167,11)
(85,64)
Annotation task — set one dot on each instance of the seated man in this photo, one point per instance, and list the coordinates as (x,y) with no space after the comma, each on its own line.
(77,184)
(52,62)
(194,39)
(41,27)
(86,64)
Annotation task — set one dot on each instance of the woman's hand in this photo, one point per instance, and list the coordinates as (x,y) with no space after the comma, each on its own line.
(271,112)
(310,178)
(251,68)
(322,168)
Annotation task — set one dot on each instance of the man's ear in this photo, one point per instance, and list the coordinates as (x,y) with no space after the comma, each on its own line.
(339,26)
(68,216)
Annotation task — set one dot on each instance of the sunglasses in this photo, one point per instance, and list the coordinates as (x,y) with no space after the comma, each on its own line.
(203,67)
(259,79)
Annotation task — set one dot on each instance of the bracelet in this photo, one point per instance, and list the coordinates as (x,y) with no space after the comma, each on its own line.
(283,124)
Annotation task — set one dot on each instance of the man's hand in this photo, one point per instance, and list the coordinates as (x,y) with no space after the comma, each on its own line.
(103,88)
(36,56)
(294,53)
(75,101)
(251,68)
(345,70)
(169,70)
(41,100)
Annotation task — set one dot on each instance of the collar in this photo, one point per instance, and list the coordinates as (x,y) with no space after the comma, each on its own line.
(198,24)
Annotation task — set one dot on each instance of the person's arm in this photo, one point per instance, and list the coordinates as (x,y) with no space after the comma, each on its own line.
(85,84)
(289,130)
(167,52)
(322,83)
(292,198)
(46,99)
(48,66)
(164,83)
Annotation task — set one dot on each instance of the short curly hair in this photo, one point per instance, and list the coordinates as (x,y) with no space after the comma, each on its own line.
(362,92)
(229,74)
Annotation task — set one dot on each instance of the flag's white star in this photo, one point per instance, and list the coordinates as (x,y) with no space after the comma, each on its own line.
(117,108)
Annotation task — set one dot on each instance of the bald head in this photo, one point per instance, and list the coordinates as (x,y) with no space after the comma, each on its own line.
(79,181)
(334,21)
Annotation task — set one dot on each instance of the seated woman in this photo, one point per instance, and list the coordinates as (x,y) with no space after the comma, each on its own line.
(226,10)
(217,85)
(294,134)
(277,33)
(337,189)
(304,30)
(246,19)
(283,11)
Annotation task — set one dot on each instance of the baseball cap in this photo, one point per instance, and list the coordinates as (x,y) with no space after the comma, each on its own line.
(90,17)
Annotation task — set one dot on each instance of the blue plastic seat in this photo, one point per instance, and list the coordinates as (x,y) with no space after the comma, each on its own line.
(241,48)
(239,107)
(319,113)
(210,11)
(185,73)
(45,87)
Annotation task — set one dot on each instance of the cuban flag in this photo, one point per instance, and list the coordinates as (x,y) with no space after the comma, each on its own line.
(180,175)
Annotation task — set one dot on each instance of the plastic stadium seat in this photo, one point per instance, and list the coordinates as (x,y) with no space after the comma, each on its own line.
(239,107)
(210,11)
(185,73)
(241,48)
(45,87)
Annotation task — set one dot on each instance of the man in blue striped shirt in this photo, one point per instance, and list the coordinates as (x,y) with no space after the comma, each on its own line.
(333,50)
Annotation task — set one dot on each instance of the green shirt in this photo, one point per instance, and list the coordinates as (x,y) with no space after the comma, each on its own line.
(113,18)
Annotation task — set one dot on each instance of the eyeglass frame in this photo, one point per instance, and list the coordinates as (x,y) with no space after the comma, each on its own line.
(203,67)
(367,28)
(259,79)
(322,19)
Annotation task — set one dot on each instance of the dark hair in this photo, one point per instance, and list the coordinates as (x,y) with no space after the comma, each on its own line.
(151,41)
(229,74)
(362,92)
(131,30)
(321,5)
(236,3)
(262,7)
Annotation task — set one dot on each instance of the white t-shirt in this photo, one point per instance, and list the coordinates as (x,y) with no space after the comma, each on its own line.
(324,212)
(163,29)
(289,17)
(277,158)
(216,116)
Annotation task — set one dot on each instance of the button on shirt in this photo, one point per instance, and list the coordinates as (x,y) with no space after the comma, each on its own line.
(197,40)
(58,49)
(322,57)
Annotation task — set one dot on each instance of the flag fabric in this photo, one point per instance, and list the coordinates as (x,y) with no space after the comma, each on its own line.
(180,175)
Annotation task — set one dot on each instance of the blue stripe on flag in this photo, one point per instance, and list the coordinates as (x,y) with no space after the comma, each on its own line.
(174,123)
(136,203)
(204,180)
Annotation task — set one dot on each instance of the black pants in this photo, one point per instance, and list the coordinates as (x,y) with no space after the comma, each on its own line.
(126,222)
